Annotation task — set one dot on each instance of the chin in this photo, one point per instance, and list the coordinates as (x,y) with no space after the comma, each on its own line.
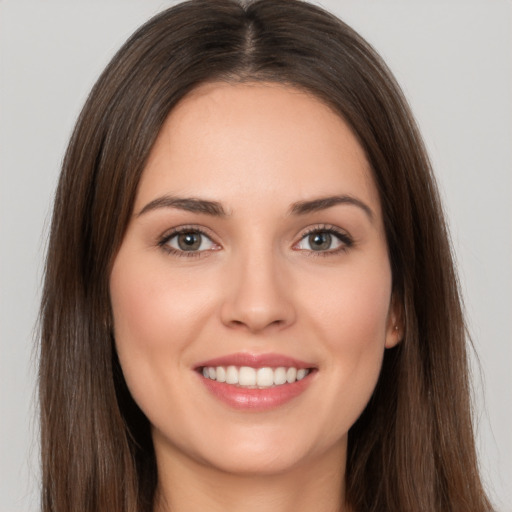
(257,450)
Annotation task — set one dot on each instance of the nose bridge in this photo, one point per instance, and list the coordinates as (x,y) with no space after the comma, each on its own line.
(256,296)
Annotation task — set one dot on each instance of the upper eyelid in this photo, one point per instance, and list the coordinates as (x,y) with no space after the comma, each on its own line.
(163,242)
(344,237)
(170,233)
(324,227)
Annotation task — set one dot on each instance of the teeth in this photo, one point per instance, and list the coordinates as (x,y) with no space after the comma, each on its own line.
(245,376)
(300,374)
(279,376)
(265,377)
(221,374)
(291,375)
(232,375)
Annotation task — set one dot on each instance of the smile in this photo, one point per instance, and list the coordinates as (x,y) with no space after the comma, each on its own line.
(256,382)
(254,378)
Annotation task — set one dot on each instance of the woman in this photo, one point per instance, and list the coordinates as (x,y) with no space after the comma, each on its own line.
(259,307)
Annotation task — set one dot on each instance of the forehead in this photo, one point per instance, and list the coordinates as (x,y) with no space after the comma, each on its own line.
(229,142)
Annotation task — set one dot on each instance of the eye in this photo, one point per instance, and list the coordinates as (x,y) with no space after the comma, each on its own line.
(188,241)
(324,240)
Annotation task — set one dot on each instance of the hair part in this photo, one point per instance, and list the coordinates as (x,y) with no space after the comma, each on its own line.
(412,448)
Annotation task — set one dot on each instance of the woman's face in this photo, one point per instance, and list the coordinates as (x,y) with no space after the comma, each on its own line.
(255,254)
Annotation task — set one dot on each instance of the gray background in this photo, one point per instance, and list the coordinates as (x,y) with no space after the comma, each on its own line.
(454,61)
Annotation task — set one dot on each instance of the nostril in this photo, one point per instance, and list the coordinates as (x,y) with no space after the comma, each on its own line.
(256,324)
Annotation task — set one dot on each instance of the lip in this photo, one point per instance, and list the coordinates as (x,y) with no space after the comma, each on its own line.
(256,361)
(256,400)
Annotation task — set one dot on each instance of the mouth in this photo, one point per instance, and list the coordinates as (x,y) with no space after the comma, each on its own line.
(256,382)
(255,378)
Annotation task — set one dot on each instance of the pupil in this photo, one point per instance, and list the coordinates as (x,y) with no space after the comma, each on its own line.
(320,241)
(189,241)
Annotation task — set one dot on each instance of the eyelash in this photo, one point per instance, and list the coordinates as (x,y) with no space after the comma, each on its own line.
(181,230)
(346,241)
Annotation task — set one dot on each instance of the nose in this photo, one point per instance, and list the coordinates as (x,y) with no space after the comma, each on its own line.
(258,295)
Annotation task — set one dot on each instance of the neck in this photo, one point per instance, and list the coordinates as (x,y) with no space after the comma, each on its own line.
(186,485)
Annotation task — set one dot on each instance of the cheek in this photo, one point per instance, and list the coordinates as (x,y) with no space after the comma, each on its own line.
(351,319)
(156,319)
(154,309)
(139,325)
(352,307)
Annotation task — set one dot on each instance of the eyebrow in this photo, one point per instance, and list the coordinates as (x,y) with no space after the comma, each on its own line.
(189,204)
(215,209)
(322,203)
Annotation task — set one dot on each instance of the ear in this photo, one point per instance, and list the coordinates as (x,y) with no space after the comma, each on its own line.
(395,323)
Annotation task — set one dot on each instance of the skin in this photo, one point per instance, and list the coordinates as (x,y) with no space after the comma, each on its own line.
(256,287)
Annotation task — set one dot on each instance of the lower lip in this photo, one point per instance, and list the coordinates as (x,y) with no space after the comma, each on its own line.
(256,399)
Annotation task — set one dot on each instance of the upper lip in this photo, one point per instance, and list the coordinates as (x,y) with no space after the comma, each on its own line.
(256,361)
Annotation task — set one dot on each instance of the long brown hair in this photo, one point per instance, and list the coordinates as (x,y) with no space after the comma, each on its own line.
(413,447)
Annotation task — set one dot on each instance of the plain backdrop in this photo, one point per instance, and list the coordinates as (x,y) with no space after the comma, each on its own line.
(454,62)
